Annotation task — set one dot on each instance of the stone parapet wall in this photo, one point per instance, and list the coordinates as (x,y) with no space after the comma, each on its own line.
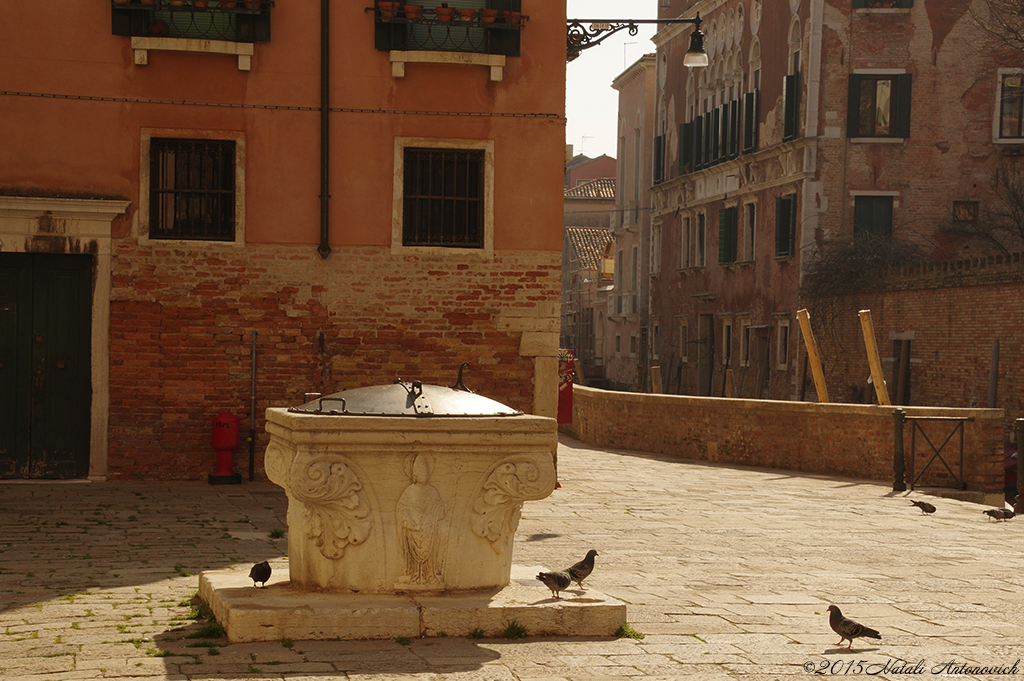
(182,320)
(847,440)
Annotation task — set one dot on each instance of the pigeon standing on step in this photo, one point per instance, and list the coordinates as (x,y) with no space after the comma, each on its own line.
(260,572)
(847,628)
(556,581)
(925,507)
(582,569)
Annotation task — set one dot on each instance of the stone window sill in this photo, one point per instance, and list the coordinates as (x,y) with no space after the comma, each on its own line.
(494,62)
(243,51)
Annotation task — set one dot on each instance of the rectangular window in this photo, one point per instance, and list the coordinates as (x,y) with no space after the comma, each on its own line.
(656,248)
(785,225)
(632,345)
(727,227)
(872,215)
(879,105)
(685,148)
(659,159)
(443,201)
(783,344)
(618,343)
(192,189)
(700,236)
(684,340)
(655,340)
(751,230)
(1011,106)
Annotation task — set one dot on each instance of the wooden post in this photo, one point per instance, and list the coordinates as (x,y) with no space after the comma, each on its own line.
(873,360)
(656,379)
(812,354)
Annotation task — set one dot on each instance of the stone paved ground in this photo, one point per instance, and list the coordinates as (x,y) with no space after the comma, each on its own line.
(726,571)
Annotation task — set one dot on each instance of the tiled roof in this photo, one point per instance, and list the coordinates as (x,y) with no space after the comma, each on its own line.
(601,188)
(587,244)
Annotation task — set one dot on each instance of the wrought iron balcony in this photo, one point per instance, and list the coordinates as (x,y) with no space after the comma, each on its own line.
(243,21)
(489,30)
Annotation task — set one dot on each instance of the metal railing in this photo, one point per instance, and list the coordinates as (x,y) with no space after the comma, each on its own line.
(230,20)
(900,466)
(446,29)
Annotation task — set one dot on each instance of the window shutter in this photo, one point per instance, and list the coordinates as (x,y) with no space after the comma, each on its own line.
(734,128)
(791,118)
(902,105)
(716,135)
(853,106)
(784,218)
(659,159)
(726,129)
(750,115)
(727,235)
(698,142)
(685,148)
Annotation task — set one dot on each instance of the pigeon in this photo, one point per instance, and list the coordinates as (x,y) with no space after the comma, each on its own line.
(556,581)
(924,506)
(999,514)
(848,629)
(582,569)
(260,573)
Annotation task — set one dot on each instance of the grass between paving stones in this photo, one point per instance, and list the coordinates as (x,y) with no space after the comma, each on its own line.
(626,631)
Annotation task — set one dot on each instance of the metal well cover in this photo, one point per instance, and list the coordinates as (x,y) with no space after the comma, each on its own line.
(405,399)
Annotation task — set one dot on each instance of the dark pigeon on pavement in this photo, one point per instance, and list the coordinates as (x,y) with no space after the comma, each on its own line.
(260,572)
(999,514)
(582,569)
(847,628)
(556,581)
(924,506)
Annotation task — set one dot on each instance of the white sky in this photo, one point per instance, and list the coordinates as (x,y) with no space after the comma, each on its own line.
(591,105)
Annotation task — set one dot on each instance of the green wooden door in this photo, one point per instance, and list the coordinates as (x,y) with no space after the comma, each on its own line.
(45,365)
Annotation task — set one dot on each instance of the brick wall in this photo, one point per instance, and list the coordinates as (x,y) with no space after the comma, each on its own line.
(832,439)
(951,311)
(182,321)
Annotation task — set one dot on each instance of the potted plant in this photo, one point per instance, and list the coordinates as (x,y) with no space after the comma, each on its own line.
(488,16)
(466,14)
(387,10)
(511,17)
(444,12)
(200,3)
(413,12)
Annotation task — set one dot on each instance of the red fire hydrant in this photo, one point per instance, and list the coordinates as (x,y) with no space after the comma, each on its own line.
(225,440)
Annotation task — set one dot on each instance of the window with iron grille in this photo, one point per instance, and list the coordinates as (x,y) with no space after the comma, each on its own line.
(192,189)
(244,21)
(443,198)
(1011,105)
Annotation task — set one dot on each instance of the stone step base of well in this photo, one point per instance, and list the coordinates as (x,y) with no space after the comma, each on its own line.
(281,610)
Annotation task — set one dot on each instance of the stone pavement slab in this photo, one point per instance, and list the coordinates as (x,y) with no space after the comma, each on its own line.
(727,572)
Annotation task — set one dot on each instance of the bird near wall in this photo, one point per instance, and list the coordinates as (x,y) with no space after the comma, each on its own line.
(556,581)
(999,514)
(582,569)
(847,628)
(260,572)
(926,508)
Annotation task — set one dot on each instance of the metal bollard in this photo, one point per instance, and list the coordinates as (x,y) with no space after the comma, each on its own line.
(899,464)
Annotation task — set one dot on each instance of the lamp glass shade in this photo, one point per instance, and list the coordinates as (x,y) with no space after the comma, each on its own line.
(696,56)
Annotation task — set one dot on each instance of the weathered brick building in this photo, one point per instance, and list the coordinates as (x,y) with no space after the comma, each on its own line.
(815,121)
(181,186)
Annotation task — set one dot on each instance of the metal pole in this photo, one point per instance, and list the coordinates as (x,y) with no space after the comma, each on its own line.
(252,414)
(899,465)
(1018,503)
(993,375)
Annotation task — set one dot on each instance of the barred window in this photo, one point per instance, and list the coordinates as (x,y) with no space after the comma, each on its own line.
(443,198)
(192,189)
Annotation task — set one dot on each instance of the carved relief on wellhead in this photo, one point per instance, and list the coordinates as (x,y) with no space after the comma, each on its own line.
(338,514)
(508,484)
(422,532)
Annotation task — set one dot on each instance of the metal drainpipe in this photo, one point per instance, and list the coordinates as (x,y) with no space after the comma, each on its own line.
(324,249)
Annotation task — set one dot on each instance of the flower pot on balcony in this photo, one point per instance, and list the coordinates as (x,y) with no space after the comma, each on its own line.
(227,3)
(387,10)
(466,15)
(488,16)
(511,17)
(413,12)
(444,13)
(177,3)
(201,3)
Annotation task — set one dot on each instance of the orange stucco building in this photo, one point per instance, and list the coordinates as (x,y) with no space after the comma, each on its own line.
(331,193)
